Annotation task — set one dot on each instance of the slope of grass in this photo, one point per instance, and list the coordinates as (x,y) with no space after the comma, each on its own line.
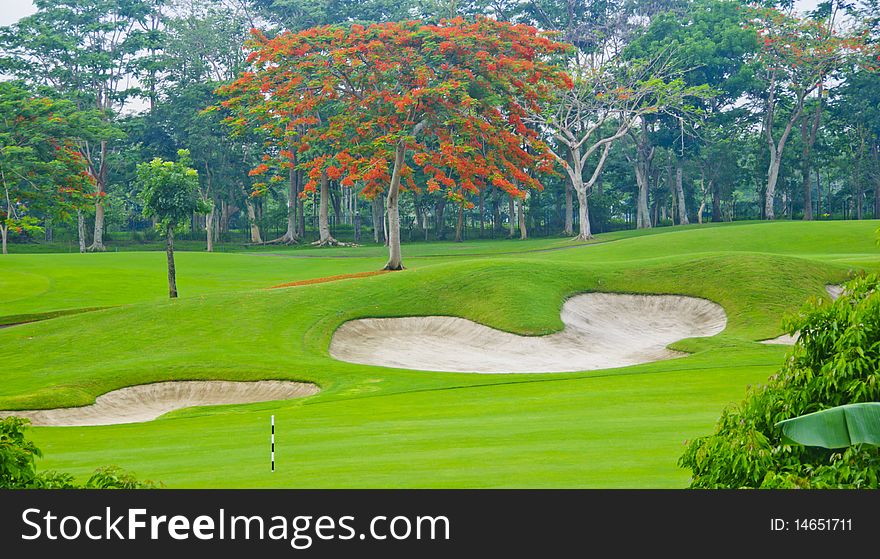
(379,427)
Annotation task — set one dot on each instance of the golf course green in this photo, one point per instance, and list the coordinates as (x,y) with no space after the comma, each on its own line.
(103,322)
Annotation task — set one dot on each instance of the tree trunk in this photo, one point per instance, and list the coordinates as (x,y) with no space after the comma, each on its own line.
(224,217)
(716,203)
(395,262)
(770,191)
(440,219)
(378,212)
(357,222)
(807,189)
(81,230)
(521,207)
(459,222)
(4,232)
(324,238)
(482,212)
(336,199)
(291,236)
(209,229)
(860,198)
(875,157)
(511,209)
(643,217)
(169,251)
(876,197)
(256,238)
(569,225)
(644,155)
(100,188)
(679,189)
(583,216)
(496,213)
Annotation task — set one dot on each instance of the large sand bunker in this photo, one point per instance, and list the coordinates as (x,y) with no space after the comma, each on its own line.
(602,330)
(148,401)
(834,291)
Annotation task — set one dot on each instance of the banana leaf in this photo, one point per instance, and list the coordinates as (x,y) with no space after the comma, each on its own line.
(837,427)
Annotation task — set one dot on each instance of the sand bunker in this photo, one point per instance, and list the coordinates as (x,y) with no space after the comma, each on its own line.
(602,330)
(148,401)
(834,291)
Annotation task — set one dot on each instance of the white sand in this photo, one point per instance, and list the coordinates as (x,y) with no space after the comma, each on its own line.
(602,330)
(148,401)
(834,291)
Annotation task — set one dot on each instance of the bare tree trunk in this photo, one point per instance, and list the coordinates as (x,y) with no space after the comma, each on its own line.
(643,217)
(569,225)
(875,157)
(716,203)
(224,217)
(644,155)
(357,221)
(395,262)
(4,233)
(440,218)
(324,238)
(521,207)
(335,199)
(459,222)
(291,236)
(679,189)
(860,199)
(169,251)
(584,216)
(512,220)
(482,212)
(807,189)
(876,197)
(81,230)
(496,213)
(378,219)
(209,229)
(256,238)
(100,189)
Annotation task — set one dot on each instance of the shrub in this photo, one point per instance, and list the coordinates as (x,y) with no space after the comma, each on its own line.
(18,466)
(835,362)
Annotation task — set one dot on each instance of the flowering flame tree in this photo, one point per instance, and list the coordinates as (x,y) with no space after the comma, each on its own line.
(368,106)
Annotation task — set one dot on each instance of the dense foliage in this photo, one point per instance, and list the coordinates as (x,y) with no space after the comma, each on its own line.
(18,468)
(835,362)
(683,111)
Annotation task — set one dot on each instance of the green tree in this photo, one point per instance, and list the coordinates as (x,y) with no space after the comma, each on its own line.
(797,57)
(41,171)
(836,361)
(86,50)
(170,191)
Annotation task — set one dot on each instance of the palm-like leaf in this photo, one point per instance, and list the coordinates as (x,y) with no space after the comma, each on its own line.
(837,427)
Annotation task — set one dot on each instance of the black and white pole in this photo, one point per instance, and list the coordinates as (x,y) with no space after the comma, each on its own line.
(273,443)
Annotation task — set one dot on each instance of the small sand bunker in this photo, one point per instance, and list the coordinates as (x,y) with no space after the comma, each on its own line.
(602,330)
(834,291)
(148,401)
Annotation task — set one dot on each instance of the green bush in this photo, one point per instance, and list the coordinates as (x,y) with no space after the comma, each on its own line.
(18,466)
(835,362)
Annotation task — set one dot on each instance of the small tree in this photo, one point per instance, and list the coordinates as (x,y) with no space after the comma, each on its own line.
(170,191)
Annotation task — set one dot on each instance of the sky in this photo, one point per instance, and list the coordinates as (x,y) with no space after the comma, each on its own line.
(13,10)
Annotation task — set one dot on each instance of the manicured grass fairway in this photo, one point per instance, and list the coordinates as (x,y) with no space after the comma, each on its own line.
(378,427)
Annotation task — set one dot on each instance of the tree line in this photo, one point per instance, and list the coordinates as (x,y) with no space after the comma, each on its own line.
(350,121)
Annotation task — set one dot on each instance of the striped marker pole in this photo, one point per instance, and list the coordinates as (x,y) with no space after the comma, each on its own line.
(273,443)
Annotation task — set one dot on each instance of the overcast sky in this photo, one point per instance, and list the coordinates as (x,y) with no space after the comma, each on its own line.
(13,10)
